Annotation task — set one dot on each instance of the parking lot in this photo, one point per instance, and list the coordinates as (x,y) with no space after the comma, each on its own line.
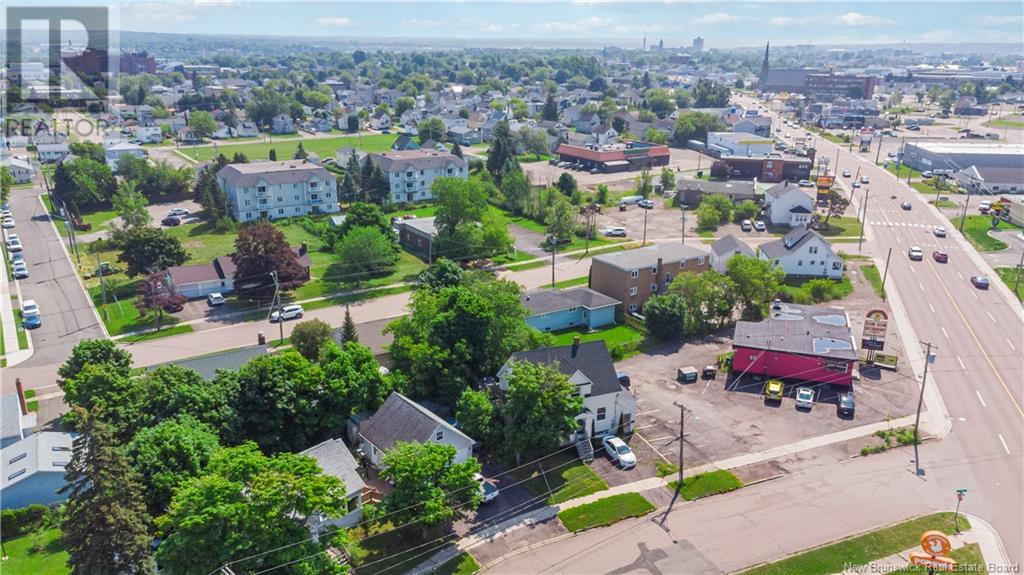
(680,160)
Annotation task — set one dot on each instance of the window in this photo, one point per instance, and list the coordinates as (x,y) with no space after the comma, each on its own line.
(17,473)
(247,202)
(799,262)
(700,260)
(812,262)
(572,310)
(312,185)
(634,274)
(813,249)
(602,412)
(654,271)
(263,201)
(632,307)
(261,189)
(280,210)
(668,279)
(17,457)
(280,199)
(296,197)
(439,435)
(314,196)
(654,287)
(632,291)
(61,448)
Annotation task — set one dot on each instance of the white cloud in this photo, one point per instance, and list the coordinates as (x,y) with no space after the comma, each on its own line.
(423,24)
(858,19)
(716,18)
(589,24)
(333,22)
(782,21)
(1002,20)
(157,12)
(495,28)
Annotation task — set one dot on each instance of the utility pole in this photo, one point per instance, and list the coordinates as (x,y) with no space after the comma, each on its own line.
(682,441)
(277,304)
(920,402)
(645,226)
(554,248)
(881,136)
(683,228)
(864,216)
(1016,282)
(885,274)
(963,216)
(103,286)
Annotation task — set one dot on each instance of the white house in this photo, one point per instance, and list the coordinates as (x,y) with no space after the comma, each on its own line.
(608,407)
(247,129)
(788,205)
(336,460)
(803,252)
(115,152)
(402,419)
(20,168)
(739,144)
(727,247)
(605,134)
(49,153)
(149,134)
(217,276)
(411,173)
(271,190)
(282,124)
(380,121)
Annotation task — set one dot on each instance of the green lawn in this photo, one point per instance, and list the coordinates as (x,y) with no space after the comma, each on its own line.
(324,147)
(120,314)
(928,187)
(1002,123)
(1009,277)
(799,291)
(346,299)
(22,334)
(605,512)
(530,158)
(566,476)
(100,219)
(420,211)
(874,277)
(842,227)
(707,484)
(861,549)
(620,339)
(968,559)
(582,281)
(39,553)
(203,242)
(902,172)
(976,229)
(166,332)
(463,564)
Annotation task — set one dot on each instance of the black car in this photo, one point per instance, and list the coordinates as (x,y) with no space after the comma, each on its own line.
(906,205)
(845,404)
(171,221)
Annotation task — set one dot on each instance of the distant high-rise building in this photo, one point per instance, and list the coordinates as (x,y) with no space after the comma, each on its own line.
(698,44)
(645,43)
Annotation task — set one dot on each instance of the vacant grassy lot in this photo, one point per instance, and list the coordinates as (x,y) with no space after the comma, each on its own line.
(861,549)
(622,340)
(605,511)
(563,476)
(39,553)
(1015,123)
(976,229)
(874,277)
(902,171)
(707,484)
(842,229)
(285,149)
(815,290)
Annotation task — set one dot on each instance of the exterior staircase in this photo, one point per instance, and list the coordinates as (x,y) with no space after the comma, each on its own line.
(585,449)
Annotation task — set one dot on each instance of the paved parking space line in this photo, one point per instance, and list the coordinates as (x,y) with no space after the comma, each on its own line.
(645,426)
(662,438)
(644,439)
(648,412)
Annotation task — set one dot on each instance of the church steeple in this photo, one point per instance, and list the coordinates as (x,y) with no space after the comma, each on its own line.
(764,65)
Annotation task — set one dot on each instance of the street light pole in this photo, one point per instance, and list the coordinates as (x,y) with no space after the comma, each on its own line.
(885,274)
(920,402)
(683,229)
(863,217)
(645,226)
(682,441)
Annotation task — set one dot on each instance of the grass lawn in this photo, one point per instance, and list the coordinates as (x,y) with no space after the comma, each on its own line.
(976,229)
(707,484)
(100,219)
(396,551)
(203,242)
(345,299)
(1002,123)
(324,147)
(333,277)
(463,564)
(567,478)
(605,512)
(844,227)
(618,336)
(422,211)
(928,188)
(532,264)
(530,158)
(861,549)
(1009,276)
(902,172)
(22,334)
(582,281)
(798,291)
(39,553)
(968,558)
(874,277)
(166,332)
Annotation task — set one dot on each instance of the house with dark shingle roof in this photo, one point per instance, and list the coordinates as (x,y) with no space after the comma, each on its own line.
(788,205)
(725,248)
(608,407)
(402,419)
(335,459)
(558,309)
(803,252)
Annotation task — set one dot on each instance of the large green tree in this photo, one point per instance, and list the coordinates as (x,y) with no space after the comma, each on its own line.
(431,129)
(709,297)
(476,415)
(353,382)
(756,281)
(103,352)
(146,249)
(695,126)
(260,250)
(309,336)
(168,454)
(202,124)
(171,391)
(665,316)
(130,205)
(541,406)
(366,251)
(502,153)
(277,402)
(466,227)
(83,184)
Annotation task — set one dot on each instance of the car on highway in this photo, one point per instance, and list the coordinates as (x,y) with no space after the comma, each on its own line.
(746,225)
(13,243)
(488,490)
(8,223)
(788,135)
(293,311)
(178,212)
(215,299)
(646,204)
(20,271)
(617,232)
(914,128)
(847,174)
(940,232)
(844,404)
(171,221)
(915,253)
(6,213)
(941,257)
(774,390)
(759,225)
(907,206)
(805,183)
(804,398)
(865,180)
(856,183)
(980,282)
(619,451)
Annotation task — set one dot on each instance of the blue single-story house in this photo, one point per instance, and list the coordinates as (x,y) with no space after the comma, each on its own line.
(33,469)
(558,309)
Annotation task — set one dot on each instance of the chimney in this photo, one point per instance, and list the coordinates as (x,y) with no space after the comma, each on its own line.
(21,395)
(575,346)
(303,248)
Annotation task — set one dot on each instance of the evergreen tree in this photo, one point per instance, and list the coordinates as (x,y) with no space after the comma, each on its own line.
(348,191)
(105,523)
(348,328)
(502,151)
(378,187)
(456,149)
(366,178)
(300,152)
(550,111)
(239,158)
(273,155)
(352,169)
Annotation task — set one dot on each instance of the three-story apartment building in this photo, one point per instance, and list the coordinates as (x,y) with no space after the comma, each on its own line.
(633,276)
(272,190)
(411,173)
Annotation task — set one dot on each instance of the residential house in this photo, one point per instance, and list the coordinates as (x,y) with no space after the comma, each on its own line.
(335,460)
(604,135)
(33,469)
(380,121)
(558,309)
(411,173)
(798,342)
(464,135)
(270,190)
(418,235)
(725,248)
(112,137)
(691,192)
(218,276)
(403,143)
(247,129)
(803,252)
(115,152)
(608,407)
(756,125)
(20,169)
(223,132)
(587,122)
(487,129)
(282,124)
(149,134)
(788,205)
(633,276)
(50,153)
(402,419)
(17,421)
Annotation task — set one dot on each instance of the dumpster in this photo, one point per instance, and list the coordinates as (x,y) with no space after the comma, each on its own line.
(710,372)
(687,374)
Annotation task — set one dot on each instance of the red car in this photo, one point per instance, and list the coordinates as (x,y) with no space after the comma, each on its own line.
(941,257)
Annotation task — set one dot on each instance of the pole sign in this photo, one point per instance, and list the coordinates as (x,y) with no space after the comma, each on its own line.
(875,324)
(824,185)
(936,546)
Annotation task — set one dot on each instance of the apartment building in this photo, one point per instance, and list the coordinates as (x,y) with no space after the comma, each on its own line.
(272,190)
(633,276)
(411,173)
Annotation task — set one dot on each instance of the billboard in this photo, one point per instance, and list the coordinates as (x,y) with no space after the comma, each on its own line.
(875,325)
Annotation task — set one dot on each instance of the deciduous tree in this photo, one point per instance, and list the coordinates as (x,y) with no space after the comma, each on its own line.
(665,316)
(540,411)
(309,336)
(156,294)
(757,283)
(366,250)
(261,248)
(430,488)
(202,124)
(168,454)
(149,249)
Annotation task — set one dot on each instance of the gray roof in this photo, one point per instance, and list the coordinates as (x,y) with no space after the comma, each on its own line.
(336,460)
(1001,175)
(292,171)
(646,257)
(549,300)
(591,359)
(781,189)
(46,451)
(207,365)
(732,187)
(61,147)
(730,244)
(741,137)
(397,161)
(792,241)
(11,420)
(757,120)
(424,226)
(402,419)
(803,329)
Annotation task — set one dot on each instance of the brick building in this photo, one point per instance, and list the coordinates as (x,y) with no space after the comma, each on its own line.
(633,276)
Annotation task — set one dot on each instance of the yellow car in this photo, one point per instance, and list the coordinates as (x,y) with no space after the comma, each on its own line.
(774,390)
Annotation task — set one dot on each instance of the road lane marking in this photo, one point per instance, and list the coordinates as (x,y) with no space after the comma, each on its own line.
(1003,441)
(978,393)
(931,307)
(990,317)
(645,426)
(920,285)
(944,332)
(960,275)
(975,295)
(1011,344)
(961,362)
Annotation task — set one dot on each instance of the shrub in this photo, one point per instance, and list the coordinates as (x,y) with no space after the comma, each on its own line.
(18,522)
(820,289)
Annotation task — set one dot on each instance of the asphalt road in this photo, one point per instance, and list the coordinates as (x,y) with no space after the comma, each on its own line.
(979,336)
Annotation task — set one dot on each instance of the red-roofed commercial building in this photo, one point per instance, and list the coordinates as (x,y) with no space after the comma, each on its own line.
(622,157)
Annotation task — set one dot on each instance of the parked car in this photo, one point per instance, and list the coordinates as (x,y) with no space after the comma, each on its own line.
(171,221)
(926,174)
(618,232)
(20,271)
(845,404)
(759,226)
(488,490)
(178,212)
(623,378)
(864,180)
(8,223)
(746,225)
(915,253)
(31,320)
(940,232)
(914,128)
(215,299)
(980,282)
(856,183)
(293,311)
(985,206)
(29,306)
(847,174)
(619,451)
(17,258)
(804,398)
(941,257)
(13,243)
(646,204)
(907,206)
(806,183)
(774,390)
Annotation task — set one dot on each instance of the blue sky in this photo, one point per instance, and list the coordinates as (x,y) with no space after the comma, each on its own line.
(722,24)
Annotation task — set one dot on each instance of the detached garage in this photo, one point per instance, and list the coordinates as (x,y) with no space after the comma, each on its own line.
(200,280)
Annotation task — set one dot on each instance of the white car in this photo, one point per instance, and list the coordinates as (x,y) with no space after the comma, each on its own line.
(846,173)
(178,212)
(29,306)
(488,490)
(746,225)
(940,232)
(804,398)
(915,253)
(215,299)
(293,311)
(619,451)
(8,223)
(13,244)
(759,225)
(864,180)
(20,271)
(617,232)
(856,183)
(805,183)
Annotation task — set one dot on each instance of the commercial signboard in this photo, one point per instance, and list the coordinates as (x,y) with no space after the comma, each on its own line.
(875,325)
(936,548)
